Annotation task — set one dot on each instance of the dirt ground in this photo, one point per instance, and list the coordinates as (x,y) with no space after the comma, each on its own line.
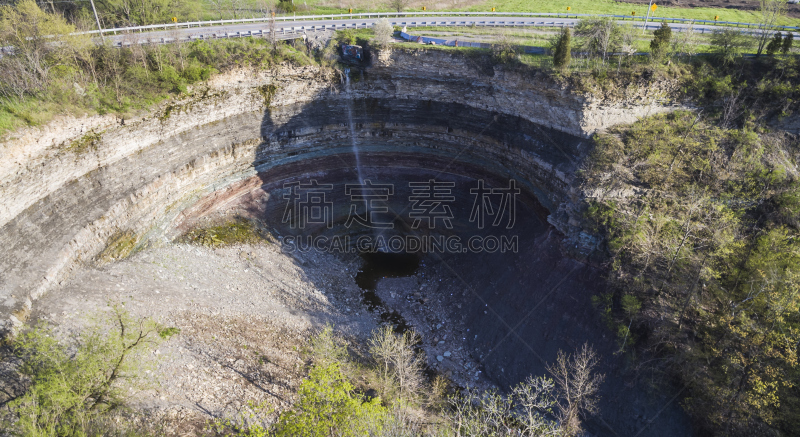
(245,314)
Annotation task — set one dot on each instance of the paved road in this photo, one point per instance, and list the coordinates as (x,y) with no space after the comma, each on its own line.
(291,29)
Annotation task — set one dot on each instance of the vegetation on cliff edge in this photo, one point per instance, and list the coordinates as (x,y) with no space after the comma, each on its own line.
(52,72)
(700,214)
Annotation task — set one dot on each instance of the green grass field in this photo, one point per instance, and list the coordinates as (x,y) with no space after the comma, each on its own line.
(617,8)
(556,6)
(324,7)
(537,37)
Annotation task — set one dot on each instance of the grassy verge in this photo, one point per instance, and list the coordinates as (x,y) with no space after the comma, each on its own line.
(252,8)
(127,81)
(537,37)
(553,6)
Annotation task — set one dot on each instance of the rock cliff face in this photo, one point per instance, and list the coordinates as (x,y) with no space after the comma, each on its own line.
(83,189)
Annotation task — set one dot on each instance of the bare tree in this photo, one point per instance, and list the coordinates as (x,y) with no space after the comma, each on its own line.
(532,398)
(627,37)
(398,5)
(235,7)
(476,413)
(686,41)
(399,362)
(40,41)
(600,35)
(219,6)
(577,386)
(273,38)
(770,12)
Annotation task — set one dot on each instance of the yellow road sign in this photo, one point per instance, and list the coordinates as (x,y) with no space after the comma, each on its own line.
(653,8)
(174,19)
(493,9)
(569,8)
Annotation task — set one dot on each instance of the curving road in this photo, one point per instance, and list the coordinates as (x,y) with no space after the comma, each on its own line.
(293,29)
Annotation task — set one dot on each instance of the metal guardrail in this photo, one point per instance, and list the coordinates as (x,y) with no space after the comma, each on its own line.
(375,15)
(203,36)
(292,32)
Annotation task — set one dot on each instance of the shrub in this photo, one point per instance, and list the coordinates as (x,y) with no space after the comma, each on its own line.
(775,44)
(504,51)
(286,6)
(346,36)
(786,47)
(73,386)
(728,44)
(383,32)
(562,53)
(600,36)
(661,42)
(327,405)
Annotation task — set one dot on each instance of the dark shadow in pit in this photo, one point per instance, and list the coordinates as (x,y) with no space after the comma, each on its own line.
(518,308)
(381,265)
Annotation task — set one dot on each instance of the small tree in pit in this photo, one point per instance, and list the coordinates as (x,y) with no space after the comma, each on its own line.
(74,385)
(577,386)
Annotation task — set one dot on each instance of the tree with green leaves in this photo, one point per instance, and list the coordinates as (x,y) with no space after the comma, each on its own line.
(660,44)
(775,44)
(562,52)
(41,41)
(728,44)
(786,47)
(75,384)
(327,405)
(383,32)
(286,6)
(600,35)
(398,5)
(770,13)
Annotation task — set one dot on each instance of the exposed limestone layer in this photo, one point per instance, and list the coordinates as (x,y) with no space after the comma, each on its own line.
(72,188)
(444,76)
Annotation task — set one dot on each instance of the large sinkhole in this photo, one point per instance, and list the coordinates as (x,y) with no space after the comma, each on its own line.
(446,211)
(452,219)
